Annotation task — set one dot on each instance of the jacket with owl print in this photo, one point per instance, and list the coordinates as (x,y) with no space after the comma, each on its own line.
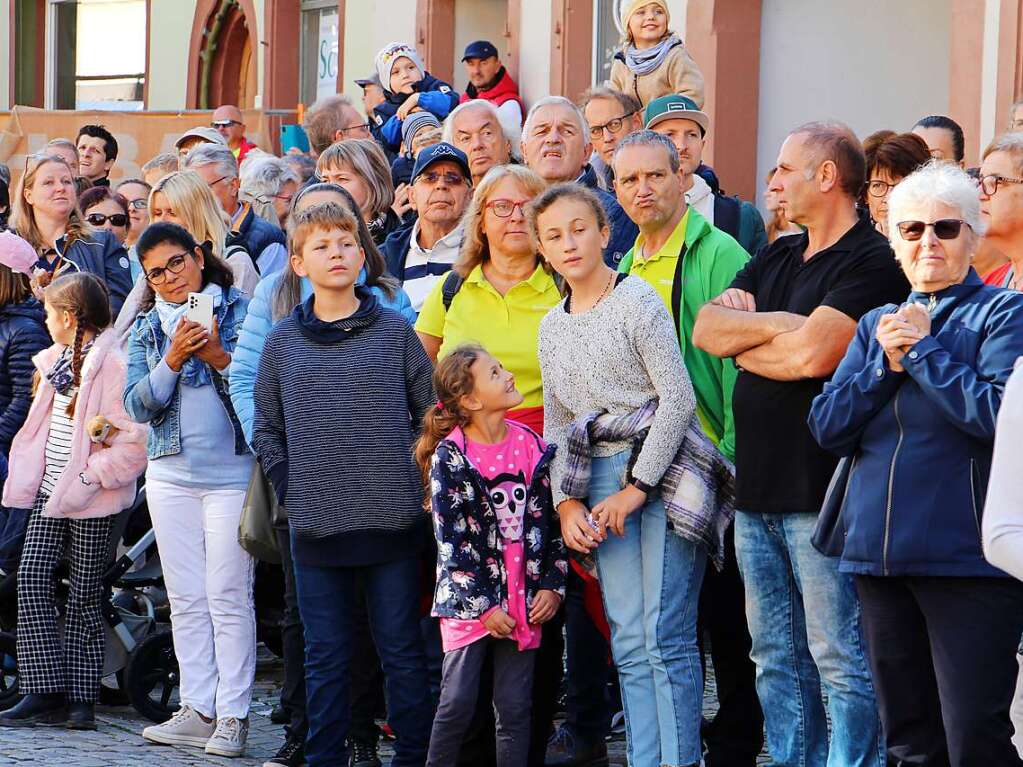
(471,576)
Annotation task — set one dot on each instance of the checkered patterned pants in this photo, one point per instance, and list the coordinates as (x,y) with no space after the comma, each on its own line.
(45,664)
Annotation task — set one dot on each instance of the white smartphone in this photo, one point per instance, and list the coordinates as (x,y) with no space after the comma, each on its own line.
(200,310)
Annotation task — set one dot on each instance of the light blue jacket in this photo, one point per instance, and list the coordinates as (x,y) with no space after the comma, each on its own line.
(258,323)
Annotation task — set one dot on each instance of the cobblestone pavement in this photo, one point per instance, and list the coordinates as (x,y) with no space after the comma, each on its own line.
(118,741)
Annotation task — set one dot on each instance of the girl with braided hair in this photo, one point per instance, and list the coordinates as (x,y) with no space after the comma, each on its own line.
(74,485)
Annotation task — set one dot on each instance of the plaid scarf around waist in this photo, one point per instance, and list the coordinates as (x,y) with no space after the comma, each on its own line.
(697,490)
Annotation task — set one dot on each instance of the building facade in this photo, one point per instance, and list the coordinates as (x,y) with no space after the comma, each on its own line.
(769,64)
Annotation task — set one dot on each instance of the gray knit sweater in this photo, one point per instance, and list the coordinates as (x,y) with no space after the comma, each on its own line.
(615,358)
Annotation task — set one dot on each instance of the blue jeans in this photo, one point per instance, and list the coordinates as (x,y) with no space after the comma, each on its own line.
(804,618)
(650,580)
(325,601)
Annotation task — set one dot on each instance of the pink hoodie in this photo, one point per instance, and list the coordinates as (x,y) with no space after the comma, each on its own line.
(99,480)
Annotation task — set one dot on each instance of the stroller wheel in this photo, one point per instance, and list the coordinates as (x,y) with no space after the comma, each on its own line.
(8,670)
(151,678)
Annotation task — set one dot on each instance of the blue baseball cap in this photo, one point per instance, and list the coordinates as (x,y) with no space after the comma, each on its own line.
(436,153)
(481,49)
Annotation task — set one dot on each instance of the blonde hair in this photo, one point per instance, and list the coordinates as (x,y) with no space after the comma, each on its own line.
(194,203)
(364,157)
(319,217)
(475,248)
(23,216)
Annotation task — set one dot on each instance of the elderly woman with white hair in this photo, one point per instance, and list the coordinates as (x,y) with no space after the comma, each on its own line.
(269,183)
(913,407)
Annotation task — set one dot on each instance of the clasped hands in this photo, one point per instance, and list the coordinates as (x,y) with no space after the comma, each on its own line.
(899,331)
(583,530)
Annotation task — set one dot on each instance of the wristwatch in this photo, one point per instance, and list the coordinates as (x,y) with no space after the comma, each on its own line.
(642,486)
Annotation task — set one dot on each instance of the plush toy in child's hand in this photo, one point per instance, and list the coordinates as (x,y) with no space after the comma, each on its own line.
(101,431)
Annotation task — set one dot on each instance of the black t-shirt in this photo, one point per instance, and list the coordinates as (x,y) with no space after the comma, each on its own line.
(779,466)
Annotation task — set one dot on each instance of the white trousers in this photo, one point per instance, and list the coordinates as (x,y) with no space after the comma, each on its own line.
(1016,710)
(209,583)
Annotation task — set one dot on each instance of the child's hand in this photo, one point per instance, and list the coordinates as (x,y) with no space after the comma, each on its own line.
(407,106)
(545,606)
(499,623)
(614,509)
(576,529)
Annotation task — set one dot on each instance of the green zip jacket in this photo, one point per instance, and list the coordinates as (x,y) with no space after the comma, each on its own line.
(711,261)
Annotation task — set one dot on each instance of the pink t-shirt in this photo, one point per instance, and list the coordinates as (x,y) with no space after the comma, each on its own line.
(507,468)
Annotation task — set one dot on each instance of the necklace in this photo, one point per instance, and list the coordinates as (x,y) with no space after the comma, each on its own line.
(602,296)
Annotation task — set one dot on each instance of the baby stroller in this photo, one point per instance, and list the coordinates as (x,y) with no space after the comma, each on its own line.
(140,667)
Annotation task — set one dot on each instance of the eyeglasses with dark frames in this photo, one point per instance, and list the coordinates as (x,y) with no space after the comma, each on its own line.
(613,126)
(989,183)
(879,188)
(175,265)
(944,229)
(504,208)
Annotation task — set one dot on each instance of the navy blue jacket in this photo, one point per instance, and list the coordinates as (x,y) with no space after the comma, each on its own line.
(100,254)
(438,98)
(255,234)
(623,231)
(22,335)
(395,250)
(471,577)
(921,440)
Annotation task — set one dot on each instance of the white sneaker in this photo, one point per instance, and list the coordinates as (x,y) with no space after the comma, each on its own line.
(229,738)
(185,728)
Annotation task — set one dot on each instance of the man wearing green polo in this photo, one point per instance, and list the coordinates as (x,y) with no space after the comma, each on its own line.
(688,262)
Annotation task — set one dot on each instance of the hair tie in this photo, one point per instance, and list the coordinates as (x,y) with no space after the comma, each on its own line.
(440,405)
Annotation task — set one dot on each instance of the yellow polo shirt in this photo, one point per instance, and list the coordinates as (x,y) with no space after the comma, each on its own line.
(659,269)
(506,326)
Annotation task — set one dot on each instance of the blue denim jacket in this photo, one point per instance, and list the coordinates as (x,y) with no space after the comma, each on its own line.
(145,351)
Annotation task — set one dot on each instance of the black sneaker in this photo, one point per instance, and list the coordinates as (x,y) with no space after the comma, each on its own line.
(292,754)
(81,716)
(364,754)
(32,710)
(565,750)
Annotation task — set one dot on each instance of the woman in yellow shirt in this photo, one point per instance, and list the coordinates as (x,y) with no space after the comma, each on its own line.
(504,288)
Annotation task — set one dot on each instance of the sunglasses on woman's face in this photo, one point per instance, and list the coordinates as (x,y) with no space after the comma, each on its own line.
(98,219)
(944,229)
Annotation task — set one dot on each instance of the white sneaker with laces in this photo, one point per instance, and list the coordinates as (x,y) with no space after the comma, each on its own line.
(229,737)
(185,728)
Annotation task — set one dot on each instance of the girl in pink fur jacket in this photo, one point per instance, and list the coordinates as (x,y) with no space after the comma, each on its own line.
(74,486)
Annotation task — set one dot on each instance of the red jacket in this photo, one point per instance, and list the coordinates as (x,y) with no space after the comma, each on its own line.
(504,90)
(244,148)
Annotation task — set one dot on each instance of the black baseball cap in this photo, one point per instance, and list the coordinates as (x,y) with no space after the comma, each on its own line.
(373,79)
(436,153)
(481,49)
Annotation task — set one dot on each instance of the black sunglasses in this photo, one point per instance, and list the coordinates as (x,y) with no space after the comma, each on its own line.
(98,219)
(944,229)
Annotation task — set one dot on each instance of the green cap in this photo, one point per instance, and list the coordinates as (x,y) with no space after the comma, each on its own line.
(675,107)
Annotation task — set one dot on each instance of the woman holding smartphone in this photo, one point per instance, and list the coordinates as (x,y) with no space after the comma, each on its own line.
(199,470)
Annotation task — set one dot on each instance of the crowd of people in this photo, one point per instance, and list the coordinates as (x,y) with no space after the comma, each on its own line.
(539,414)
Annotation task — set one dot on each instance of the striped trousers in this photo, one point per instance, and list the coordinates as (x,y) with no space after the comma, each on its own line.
(47,664)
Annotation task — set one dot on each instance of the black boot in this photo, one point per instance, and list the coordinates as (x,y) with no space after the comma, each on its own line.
(81,716)
(565,749)
(44,709)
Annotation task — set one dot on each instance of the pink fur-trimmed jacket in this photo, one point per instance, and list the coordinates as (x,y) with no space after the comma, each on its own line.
(99,480)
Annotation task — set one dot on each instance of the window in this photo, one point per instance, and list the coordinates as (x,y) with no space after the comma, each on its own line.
(606,38)
(319,50)
(86,71)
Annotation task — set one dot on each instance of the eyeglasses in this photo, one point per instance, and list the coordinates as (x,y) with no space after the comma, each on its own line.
(98,219)
(214,183)
(432,177)
(175,265)
(613,126)
(360,126)
(944,229)
(878,188)
(224,124)
(140,204)
(285,198)
(504,208)
(989,183)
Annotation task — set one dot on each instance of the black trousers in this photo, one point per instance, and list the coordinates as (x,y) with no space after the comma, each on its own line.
(367,678)
(735,737)
(942,654)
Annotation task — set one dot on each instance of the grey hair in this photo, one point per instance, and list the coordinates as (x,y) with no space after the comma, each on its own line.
(937,181)
(266,176)
(561,101)
(1013,107)
(510,133)
(650,138)
(626,101)
(66,143)
(1012,144)
(167,161)
(212,154)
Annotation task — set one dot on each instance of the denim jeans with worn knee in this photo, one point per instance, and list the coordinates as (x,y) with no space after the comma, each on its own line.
(804,617)
(650,580)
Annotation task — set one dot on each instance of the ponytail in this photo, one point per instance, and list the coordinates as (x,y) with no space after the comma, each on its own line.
(452,380)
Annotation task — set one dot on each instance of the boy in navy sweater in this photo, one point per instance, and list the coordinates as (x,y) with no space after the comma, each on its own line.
(407,87)
(342,387)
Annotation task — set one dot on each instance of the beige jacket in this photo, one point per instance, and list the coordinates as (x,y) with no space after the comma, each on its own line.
(678,74)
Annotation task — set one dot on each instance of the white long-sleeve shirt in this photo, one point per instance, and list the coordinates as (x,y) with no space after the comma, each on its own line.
(1002,530)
